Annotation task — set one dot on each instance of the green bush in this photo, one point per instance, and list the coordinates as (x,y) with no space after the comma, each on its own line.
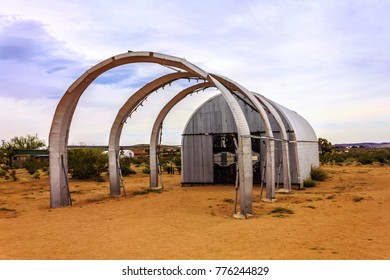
(333,157)
(318,174)
(309,183)
(126,170)
(177,161)
(86,163)
(356,155)
(125,163)
(138,161)
(2,173)
(351,161)
(31,165)
(37,175)
(366,159)
(146,170)
(16,165)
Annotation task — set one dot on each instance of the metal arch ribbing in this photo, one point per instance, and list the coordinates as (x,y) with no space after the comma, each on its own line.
(58,137)
(284,137)
(293,141)
(155,135)
(270,144)
(123,114)
(246,172)
(244,148)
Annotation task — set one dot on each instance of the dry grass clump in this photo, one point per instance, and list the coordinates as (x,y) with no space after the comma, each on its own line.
(358,199)
(7,209)
(318,174)
(146,191)
(280,212)
(309,183)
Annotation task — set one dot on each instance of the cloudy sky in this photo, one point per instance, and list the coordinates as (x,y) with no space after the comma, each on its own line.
(327,60)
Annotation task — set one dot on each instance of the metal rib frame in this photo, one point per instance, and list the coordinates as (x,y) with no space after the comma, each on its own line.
(59,132)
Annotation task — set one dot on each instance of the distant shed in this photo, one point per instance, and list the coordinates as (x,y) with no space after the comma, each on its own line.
(208,148)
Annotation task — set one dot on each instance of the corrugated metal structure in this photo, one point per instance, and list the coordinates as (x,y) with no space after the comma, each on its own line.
(238,132)
(208,152)
(179,68)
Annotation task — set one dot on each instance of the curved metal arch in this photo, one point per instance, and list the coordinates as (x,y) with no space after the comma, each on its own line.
(59,132)
(123,114)
(284,137)
(157,126)
(294,139)
(244,149)
(232,86)
(270,144)
(246,195)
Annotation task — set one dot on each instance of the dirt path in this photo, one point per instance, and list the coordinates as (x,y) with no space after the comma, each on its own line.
(346,217)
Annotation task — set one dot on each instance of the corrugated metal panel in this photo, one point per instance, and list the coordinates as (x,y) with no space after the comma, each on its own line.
(301,127)
(197,159)
(215,116)
(187,160)
(307,158)
(207,158)
(304,152)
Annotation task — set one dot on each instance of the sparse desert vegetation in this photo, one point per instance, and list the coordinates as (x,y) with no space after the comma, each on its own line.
(343,217)
(349,195)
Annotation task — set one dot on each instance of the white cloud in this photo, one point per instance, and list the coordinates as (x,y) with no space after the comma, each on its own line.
(20,117)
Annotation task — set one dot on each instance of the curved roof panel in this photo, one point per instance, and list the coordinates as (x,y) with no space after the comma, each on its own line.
(303,130)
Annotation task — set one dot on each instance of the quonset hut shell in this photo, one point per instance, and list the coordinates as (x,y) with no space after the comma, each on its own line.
(59,133)
(295,153)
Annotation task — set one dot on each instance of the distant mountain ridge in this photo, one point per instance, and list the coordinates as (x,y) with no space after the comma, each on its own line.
(364,145)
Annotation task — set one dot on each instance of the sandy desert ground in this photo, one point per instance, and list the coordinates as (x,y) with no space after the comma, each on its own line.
(346,217)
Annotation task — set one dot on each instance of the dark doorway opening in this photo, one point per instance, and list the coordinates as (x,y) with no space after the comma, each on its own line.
(224,158)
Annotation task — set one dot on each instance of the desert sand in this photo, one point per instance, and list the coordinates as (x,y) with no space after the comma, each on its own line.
(345,217)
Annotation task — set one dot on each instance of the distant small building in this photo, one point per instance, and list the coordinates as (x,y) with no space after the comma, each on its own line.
(140,152)
(23,155)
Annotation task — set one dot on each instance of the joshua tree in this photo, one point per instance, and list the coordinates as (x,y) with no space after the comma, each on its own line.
(325,145)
